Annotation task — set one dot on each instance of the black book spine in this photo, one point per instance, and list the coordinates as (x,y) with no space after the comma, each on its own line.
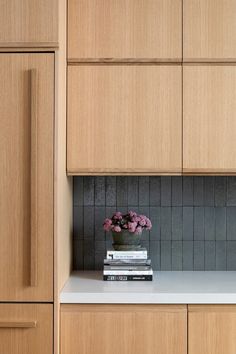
(127,277)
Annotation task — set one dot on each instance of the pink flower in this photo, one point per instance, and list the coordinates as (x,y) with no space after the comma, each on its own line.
(138,231)
(132,226)
(132,213)
(117,215)
(116,228)
(148,224)
(136,219)
(142,222)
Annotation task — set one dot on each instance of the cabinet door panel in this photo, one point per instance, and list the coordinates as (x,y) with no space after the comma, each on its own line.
(212,329)
(124,119)
(27,23)
(209,29)
(126,329)
(26,328)
(124,29)
(209,118)
(26,177)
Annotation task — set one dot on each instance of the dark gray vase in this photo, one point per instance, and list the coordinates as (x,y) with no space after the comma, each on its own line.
(126,241)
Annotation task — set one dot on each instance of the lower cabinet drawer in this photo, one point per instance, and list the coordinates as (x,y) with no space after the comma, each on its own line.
(26,328)
(126,329)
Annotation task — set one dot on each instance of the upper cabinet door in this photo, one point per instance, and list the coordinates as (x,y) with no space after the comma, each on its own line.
(209,119)
(209,30)
(125,29)
(28,23)
(124,119)
(211,329)
(26,177)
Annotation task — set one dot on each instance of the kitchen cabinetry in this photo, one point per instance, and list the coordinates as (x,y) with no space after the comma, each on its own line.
(124,29)
(28,23)
(212,329)
(26,328)
(124,119)
(209,123)
(209,30)
(127,329)
(26,177)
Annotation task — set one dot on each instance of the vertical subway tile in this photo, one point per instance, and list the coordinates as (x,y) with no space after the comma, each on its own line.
(88,191)
(198,223)
(177,223)
(155,191)
(209,223)
(143,191)
(89,254)
(231,191)
(221,255)
(155,216)
(99,216)
(99,258)
(210,255)
(187,255)
(100,191)
(188,191)
(155,254)
(231,258)
(231,223)
(165,255)
(78,223)
(209,191)
(78,254)
(188,223)
(220,222)
(110,191)
(88,222)
(165,191)
(220,191)
(177,255)
(198,191)
(121,191)
(177,191)
(198,255)
(78,191)
(133,190)
(166,223)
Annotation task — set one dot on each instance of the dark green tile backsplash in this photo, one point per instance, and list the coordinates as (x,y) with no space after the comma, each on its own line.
(194,219)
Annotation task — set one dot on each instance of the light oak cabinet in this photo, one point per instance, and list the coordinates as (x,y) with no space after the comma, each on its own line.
(26,177)
(209,30)
(126,329)
(124,119)
(124,29)
(26,328)
(209,122)
(28,23)
(212,329)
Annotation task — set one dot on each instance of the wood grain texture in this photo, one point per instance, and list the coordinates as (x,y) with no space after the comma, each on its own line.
(124,119)
(124,29)
(126,329)
(26,22)
(209,124)
(28,328)
(15,177)
(212,329)
(209,29)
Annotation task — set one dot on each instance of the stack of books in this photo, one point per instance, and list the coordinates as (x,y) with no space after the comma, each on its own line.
(127,266)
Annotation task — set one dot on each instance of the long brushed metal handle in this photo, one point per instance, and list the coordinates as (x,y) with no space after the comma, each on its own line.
(18,324)
(33,179)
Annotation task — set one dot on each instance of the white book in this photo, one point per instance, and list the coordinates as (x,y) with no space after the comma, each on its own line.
(141,254)
(127,272)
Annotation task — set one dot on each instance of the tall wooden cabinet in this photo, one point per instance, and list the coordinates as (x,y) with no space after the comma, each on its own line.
(26,177)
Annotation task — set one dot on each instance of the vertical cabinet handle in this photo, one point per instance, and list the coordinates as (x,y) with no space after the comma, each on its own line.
(33,178)
(18,324)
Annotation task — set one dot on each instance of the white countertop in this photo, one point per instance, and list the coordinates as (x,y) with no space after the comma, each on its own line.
(166,288)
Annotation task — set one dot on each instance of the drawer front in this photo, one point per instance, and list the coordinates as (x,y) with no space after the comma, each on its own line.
(28,23)
(124,29)
(26,329)
(126,329)
(124,119)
